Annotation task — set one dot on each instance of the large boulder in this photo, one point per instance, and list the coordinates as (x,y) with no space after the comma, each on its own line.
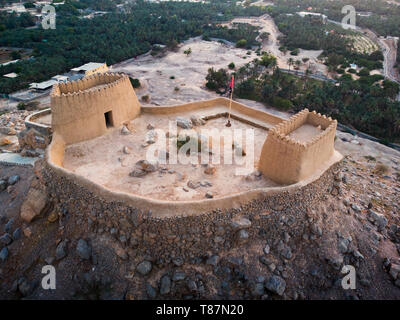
(34,204)
(184,123)
(32,139)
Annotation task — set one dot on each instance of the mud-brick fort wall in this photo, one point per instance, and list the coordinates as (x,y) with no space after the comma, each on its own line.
(79,108)
(288,161)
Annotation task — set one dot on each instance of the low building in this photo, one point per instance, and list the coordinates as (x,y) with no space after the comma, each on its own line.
(91,68)
(60,78)
(9,62)
(11,75)
(43,85)
(313,14)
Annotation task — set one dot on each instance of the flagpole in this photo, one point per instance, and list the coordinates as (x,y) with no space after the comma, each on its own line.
(230,104)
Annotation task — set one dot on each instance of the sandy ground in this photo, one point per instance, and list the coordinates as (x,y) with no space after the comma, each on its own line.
(189,72)
(103,161)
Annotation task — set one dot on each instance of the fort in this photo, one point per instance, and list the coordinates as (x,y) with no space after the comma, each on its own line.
(87,170)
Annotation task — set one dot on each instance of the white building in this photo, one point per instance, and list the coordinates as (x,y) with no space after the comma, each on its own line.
(312,14)
(11,75)
(91,68)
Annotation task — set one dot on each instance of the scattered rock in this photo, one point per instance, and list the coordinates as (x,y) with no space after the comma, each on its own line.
(178,276)
(5,142)
(394,271)
(178,261)
(27,232)
(378,219)
(148,166)
(126,150)
(151,292)
(276,285)
(17,234)
(243,235)
(193,185)
(192,286)
(13,180)
(121,253)
(343,245)
(184,123)
(34,204)
(213,261)
(61,250)
(83,249)
(5,239)
(210,169)
(3,185)
(125,130)
(24,287)
(165,285)
(267,249)
(53,217)
(209,195)
(151,137)
(197,121)
(144,267)
(4,254)
(240,223)
(32,139)
(137,173)
(265,260)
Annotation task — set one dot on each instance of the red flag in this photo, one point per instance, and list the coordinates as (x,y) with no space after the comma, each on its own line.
(231,83)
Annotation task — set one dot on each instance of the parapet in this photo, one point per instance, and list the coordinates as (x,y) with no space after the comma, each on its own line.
(85,108)
(287,160)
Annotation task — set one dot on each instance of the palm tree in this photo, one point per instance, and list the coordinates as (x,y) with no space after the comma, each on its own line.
(290,62)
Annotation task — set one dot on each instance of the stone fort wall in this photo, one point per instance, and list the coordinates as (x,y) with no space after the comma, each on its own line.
(287,161)
(187,236)
(78,108)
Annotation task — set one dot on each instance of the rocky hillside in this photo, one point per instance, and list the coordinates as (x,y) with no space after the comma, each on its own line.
(358,224)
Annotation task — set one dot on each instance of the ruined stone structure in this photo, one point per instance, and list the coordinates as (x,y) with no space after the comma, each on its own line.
(83,109)
(287,161)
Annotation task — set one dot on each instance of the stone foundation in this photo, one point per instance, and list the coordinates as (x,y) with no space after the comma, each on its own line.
(190,236)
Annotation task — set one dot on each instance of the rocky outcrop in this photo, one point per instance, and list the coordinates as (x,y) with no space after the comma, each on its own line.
(35,204)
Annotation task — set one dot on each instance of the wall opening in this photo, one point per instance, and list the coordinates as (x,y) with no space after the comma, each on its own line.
(109,119)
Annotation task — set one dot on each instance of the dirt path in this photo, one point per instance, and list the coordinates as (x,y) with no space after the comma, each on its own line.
(267,24)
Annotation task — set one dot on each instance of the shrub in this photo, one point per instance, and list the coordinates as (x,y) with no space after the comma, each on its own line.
(172,77)
(381,168)
(145,98)
(282,103)
(364,72)
(135,82)
(21,106)
(241,43)
(216,79)
(231,66)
